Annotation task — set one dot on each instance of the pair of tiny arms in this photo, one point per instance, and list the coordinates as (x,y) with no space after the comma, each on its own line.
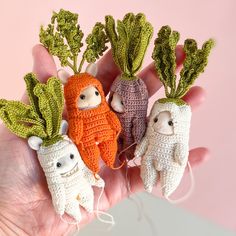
(45,67)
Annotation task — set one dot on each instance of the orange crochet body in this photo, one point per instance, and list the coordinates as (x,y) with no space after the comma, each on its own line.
(95,130)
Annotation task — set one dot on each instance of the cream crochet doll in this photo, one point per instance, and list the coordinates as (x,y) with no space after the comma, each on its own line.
(69,180)
(165,147)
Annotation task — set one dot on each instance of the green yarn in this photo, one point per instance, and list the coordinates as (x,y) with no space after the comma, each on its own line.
(42,118)
(129,41)
(165,62)
(63,39)
(177,101)
(21,119)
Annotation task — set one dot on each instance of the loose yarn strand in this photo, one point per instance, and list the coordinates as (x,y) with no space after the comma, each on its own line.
(190,191)
(139,203)
(98,213)
(127,148)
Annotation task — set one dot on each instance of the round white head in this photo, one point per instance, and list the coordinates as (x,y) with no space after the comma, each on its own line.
(163,123)
(89,98)
(117,103)
(169,119)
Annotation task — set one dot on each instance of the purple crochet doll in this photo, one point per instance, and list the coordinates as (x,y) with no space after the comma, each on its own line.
(128,94)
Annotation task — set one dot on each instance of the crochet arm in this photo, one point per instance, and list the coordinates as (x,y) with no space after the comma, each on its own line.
(94,180)
(58,197)
(141,148)
(181,153)
(138,130)
(76,130)
(114,121)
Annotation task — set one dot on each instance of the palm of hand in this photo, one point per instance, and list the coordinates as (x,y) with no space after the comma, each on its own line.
(25,202)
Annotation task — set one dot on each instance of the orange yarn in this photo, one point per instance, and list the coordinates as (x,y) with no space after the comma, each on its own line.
(89,127)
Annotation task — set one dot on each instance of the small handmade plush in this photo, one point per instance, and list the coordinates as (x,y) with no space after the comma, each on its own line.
(164,149)
(93,127)
(129,95)
(69,180)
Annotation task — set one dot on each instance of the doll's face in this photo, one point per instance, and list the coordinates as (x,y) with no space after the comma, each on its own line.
(117,103)
(89,98)
(68,164)
(163,123)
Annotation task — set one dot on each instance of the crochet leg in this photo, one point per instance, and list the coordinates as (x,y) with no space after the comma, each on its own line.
(72,209)
(148,173)
(90,155)
(86,199)
(130,146)
(170,181)
(108,151)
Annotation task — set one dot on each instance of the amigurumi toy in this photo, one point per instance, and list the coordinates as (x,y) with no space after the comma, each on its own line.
(69,180)
(128,93)
(93,127)
(165,147)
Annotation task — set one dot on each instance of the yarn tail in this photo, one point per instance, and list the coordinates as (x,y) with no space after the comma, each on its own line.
(99,213)
(186,196)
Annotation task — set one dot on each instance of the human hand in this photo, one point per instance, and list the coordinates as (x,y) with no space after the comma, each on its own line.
(25,202)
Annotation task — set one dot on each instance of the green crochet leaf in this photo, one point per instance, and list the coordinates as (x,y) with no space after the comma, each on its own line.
(21,119)
(42,118)
(96,44)
(165,62)
(50,105)
(129,41)
(165,59)
(31,81)
(63,38)
(194,64)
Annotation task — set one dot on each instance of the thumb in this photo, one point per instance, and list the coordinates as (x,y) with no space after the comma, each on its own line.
(43,66)
(43,63)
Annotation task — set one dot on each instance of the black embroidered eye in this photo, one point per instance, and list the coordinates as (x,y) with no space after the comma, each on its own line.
(72,156)
(97,93)
(155,120)
(170,123)
(58,164)
(122,103)
(82,96)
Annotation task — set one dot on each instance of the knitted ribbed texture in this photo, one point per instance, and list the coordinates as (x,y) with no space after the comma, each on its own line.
(165,157)
(135,99)
(94,131)
(72,189)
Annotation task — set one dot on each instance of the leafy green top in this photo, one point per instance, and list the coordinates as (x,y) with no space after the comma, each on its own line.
(42,118)
(129,41)
(63,38)
(165,61)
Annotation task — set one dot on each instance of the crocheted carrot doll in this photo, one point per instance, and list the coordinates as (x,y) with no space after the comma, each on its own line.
(164,148)
(93,127)
(129,95)
(69,180)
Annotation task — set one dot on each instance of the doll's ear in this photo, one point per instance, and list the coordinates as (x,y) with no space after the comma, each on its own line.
(64,127)
(92,69)
(35,142)
(63,76)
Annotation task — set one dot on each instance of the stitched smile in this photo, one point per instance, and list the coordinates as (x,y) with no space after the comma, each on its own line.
(71,172)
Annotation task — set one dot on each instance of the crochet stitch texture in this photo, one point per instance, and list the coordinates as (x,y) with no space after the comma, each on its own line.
(95,130)
(72,189)
(135,99)
(164,157)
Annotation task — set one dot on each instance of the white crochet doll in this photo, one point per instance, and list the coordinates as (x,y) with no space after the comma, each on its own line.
(165,147)
(69,180)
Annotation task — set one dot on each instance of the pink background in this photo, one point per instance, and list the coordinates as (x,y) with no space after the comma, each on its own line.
(213,124)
